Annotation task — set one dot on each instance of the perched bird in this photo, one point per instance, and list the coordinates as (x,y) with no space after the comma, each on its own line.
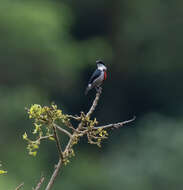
(97,77)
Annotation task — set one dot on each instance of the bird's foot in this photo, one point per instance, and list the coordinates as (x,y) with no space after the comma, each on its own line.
(98,89)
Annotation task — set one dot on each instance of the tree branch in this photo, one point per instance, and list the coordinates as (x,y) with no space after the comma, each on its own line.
(44,137)
(116,125)
(77,133)
(20,186)
(39,183)
(62,130)
(59,165)
(95,102)
(69,125)
(74,117)
(57,142)
(54,175)
(91,110)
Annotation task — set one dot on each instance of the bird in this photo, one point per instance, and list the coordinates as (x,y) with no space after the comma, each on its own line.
(98,77)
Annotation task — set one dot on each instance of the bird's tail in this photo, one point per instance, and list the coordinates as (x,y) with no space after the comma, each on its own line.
(86,91)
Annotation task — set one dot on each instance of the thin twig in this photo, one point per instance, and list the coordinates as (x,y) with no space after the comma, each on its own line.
(57,142)
(116,125)
(54,175)
(69,125)
(44,137)
(62,130)
(20,186)
(70,143)
(95,102)
(39,183)
(74,117)
(94,137)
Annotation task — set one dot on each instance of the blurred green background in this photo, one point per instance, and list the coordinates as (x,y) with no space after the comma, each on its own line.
(48,49)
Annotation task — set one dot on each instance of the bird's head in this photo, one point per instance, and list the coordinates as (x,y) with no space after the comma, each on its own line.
(101,66)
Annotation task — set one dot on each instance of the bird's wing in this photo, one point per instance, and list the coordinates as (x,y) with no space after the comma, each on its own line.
(95,75)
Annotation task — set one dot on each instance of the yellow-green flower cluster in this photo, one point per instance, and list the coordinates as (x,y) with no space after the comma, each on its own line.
(44,117)
(45,114)
(67,155)
(32,145)
(96,136)
(2,171)
(35,111)
(102,133)
(89,123)
(75,140)
(32,148)
(37,129)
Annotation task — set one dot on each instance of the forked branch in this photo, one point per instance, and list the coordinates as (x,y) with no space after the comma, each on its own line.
(86,126)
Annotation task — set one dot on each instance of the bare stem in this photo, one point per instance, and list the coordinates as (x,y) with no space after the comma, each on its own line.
(95,102)
(57,142)
(62,130)
(20,186)
(59,165)
(44,137)
(54,175)
(116,125)
(74,117)
(39,183)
